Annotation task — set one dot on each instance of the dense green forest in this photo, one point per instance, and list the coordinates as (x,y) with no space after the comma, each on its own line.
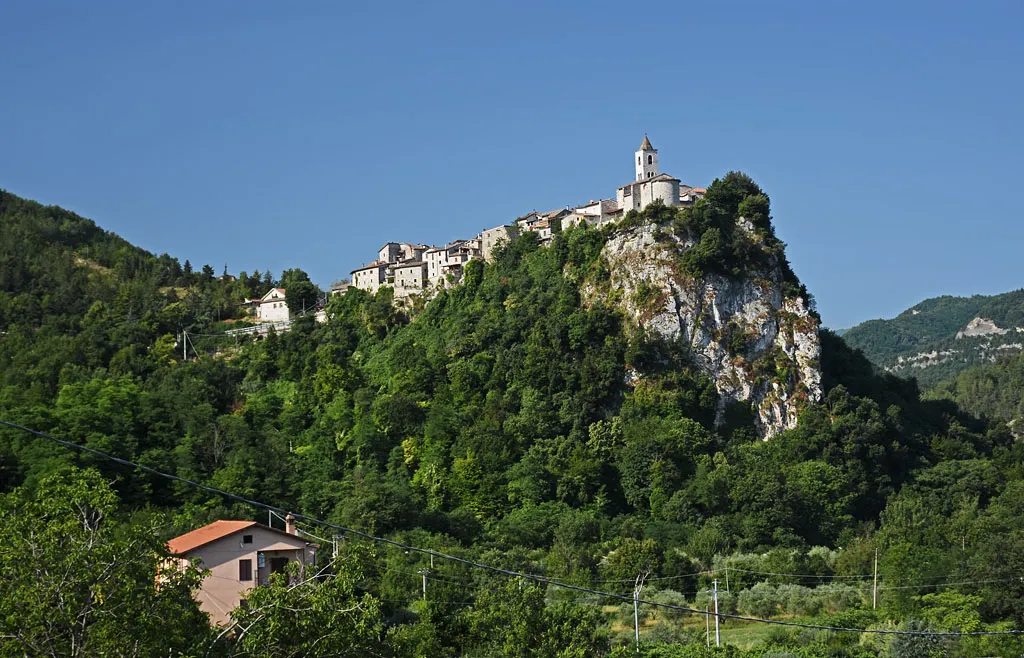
(932,327)
(497,425)
(991,391)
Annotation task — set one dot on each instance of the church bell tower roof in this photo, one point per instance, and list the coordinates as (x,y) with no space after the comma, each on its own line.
(646,146)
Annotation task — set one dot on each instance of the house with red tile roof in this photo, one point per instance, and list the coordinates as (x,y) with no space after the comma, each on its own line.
(239,556)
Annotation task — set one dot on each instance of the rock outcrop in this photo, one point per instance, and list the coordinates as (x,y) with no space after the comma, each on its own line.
(980,327)
(759,346)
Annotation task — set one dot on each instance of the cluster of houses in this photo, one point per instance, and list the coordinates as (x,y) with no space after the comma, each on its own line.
(415,269)
(419,269)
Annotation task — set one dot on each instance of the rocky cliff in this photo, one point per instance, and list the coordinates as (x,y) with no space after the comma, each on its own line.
(759,346)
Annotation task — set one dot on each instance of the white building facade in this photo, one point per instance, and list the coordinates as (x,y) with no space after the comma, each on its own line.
(273,307)
(370,277)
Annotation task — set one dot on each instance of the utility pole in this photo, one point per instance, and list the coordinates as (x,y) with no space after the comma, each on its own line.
(639,585)
(707,625)
(718,635)
(423,573)
(184,345)
(874,586)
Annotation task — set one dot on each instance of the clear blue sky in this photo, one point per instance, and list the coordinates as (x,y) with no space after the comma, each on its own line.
(274,135)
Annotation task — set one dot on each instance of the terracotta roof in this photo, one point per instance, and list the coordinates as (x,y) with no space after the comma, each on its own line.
(202,536)
(699,190)
(646,146)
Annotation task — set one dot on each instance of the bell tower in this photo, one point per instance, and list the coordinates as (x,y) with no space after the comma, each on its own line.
(646,161)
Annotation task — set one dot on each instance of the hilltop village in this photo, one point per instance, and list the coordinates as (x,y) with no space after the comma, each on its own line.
(418,269)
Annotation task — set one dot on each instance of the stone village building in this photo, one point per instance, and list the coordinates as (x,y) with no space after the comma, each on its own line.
(412,269)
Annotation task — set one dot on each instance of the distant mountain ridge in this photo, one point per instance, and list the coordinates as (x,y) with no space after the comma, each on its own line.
(941,337)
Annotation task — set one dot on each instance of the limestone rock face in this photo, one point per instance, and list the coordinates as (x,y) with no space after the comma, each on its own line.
(980,327)
(758,346)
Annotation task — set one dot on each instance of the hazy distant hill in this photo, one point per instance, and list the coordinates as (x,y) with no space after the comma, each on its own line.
(941,337)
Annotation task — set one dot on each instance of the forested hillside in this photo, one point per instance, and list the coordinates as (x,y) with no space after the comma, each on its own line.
(992,391)
(935,340)
(501,424)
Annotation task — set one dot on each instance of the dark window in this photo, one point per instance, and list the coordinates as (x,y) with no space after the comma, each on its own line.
(246,539)
(638,159)
(245,570)
(243,604)
(650,159)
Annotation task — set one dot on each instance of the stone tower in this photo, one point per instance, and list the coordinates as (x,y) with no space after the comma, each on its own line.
(646,161)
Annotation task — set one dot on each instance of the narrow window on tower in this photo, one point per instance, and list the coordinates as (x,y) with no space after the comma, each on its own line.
(650,159)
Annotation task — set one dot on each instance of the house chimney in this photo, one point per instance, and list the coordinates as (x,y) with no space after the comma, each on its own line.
(289,525)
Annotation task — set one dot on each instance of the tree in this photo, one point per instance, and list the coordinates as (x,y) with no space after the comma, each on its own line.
(75,582)
(513,622)
(300,293)
(324,615)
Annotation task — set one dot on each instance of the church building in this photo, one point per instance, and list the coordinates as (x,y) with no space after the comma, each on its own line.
(649,185)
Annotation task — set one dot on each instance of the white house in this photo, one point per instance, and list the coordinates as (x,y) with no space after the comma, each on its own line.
(371,277)
(272,307)
(410,277)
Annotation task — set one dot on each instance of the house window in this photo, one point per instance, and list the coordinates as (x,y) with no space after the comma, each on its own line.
(246,539)
(244,570)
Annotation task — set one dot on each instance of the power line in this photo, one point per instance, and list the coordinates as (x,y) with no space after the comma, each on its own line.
(479,565)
